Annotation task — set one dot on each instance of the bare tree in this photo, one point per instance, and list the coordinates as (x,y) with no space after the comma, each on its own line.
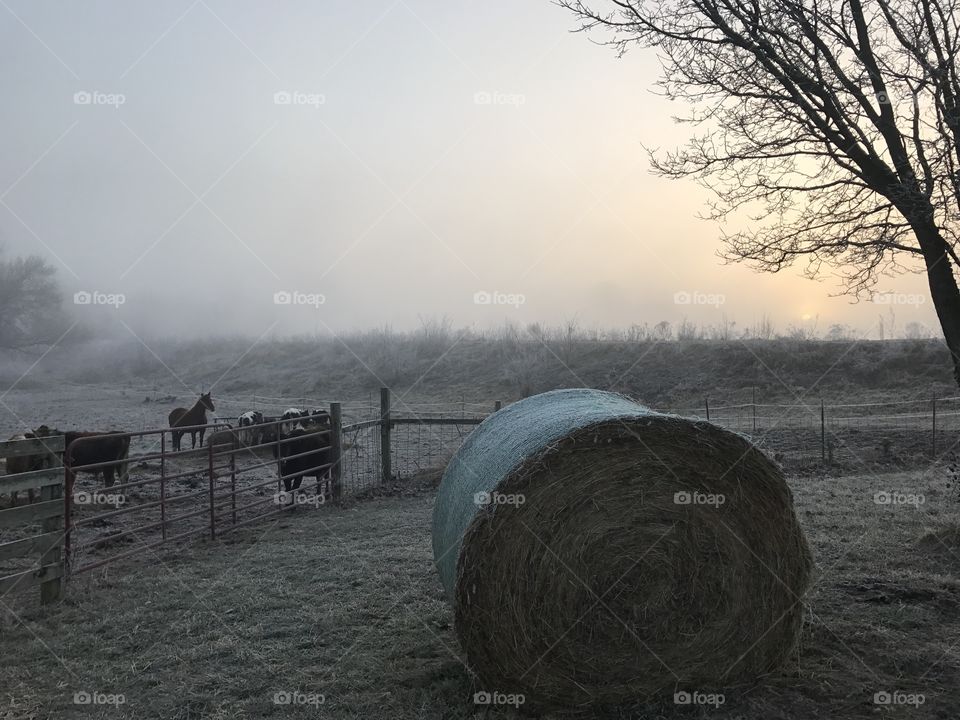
(30,300)
(836,121)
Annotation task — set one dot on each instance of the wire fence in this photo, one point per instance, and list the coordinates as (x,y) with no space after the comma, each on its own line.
(419,437)
(845,436)
(426,443)
(803,437)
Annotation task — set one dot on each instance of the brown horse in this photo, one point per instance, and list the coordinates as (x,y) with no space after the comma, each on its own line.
(197,415)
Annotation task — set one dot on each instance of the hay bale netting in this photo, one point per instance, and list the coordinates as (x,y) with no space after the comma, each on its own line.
(603,586)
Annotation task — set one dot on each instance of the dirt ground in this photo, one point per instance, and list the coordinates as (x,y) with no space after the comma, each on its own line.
(339,612)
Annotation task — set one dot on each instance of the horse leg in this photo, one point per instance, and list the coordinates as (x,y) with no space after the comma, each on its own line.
(202,432)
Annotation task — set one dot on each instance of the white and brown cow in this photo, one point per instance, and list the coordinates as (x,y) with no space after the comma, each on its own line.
(248,434)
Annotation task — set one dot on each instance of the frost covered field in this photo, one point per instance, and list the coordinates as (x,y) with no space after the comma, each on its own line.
(339,611)
(342,610)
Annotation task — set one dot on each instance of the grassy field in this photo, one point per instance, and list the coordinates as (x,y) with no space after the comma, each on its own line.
(438,363)
(341,610)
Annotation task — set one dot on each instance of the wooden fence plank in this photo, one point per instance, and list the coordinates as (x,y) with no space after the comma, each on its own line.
(36,545)
(31,513)
(29,578)
(32,446)
(31,480)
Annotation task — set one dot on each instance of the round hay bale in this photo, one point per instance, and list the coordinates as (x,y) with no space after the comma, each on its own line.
(597,552)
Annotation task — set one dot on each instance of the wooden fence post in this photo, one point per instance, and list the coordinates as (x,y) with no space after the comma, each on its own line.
(51,590)
(385,473)
(277,436)
(336,451)
(706,403)
(754,406)
(68,480)
(497,405)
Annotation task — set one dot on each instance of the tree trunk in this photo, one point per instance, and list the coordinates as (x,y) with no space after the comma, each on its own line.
(943,290)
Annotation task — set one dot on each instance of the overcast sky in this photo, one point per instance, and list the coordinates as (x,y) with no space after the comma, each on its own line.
(385,160)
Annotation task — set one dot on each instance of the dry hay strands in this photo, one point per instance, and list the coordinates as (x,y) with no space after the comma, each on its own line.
(598,553)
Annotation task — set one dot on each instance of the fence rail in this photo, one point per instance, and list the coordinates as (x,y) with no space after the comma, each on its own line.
(41,551)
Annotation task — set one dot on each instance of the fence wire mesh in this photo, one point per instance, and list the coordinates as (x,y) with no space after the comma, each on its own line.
(427,443)
(804,437)
(845,436)
(361,457)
